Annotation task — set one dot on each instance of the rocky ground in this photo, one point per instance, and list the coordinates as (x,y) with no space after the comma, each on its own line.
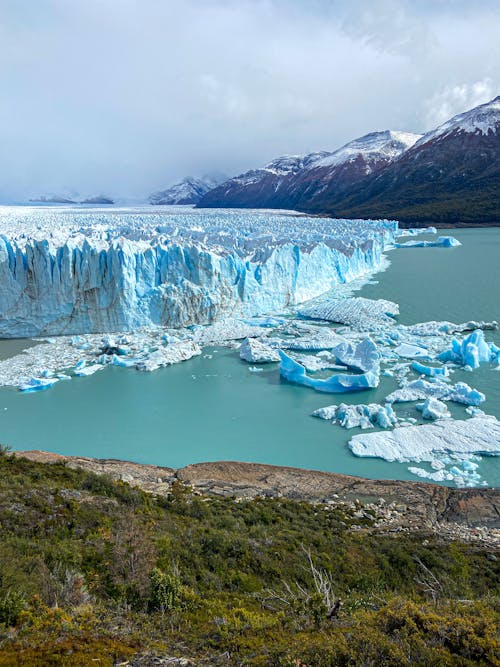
(467,514)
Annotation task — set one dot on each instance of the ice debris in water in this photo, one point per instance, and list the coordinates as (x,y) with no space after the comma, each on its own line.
(357,312)
(477,435)
(421,389)
(362,416)
(432,408)
(255,352)
(471,352)
(430,371)
(63,273)
(442,242)
(38,384)
(410,351)
(364,357)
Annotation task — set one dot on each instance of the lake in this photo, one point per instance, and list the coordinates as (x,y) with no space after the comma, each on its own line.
(209,409)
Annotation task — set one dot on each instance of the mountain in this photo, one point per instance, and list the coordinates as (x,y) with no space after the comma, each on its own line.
(451,175)
(188,191)
(99,199)
(299,181)
(52,199)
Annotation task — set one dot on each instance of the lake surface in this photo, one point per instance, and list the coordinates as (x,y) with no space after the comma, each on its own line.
(209,409)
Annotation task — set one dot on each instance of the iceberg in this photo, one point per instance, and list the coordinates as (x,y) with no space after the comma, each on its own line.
(255,352)
(37,384)
(471,352)
(66,273)
(442,242)
(357,312)
(432,408)
(421,389)
(477,435)
(409,351)
(430,371)
(295,373)
(359,416)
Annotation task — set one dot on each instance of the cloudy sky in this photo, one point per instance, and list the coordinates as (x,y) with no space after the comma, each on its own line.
(126,96)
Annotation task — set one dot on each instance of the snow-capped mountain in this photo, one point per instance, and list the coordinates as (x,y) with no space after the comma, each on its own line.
(452,174)
(296,181)
(188,191)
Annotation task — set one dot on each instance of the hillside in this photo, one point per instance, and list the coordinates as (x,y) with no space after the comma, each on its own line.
(450,175)
(298,182)
(98,572)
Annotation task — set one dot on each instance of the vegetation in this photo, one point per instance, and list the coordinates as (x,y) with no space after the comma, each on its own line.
(96,572)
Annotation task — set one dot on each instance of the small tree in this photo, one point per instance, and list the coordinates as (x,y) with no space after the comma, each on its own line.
(165,589)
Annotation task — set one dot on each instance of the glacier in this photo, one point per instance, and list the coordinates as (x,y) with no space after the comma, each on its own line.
(66,271)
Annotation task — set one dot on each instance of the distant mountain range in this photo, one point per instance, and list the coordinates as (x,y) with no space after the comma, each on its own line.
(449,175)
(63,199)
(188,191)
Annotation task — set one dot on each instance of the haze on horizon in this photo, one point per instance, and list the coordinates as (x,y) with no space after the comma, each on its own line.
(127,96)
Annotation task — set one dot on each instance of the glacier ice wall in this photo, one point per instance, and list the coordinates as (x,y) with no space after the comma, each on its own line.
(69,271)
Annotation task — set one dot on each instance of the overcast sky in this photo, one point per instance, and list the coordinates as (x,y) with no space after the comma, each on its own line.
(126,96)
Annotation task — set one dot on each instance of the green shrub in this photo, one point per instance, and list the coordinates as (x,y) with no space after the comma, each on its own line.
(165,590)
(11,605)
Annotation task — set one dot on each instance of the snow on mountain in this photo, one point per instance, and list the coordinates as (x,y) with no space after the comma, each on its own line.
(295,181)
(386,145)
(188,191)
(451,175)
(484,119)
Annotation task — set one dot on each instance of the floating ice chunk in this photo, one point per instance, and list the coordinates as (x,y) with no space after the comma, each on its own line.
(432,408)
(437,476)
(255,369)
(478,435)
(327,412)
(434,328)
(356,312)
(472,351)
(255,352)
(359,416)
(442,242)
(363,356)
(421,389)
(84,370)
(225,330)
(296,373)
(317,339)
(430,371)
(412,351)
(171,354)
(37,384)
(474,411)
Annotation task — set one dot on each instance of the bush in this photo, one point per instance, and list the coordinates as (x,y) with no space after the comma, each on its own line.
(165,590)
(11,605)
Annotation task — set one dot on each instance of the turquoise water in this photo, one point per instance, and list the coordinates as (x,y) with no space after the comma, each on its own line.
(215,409)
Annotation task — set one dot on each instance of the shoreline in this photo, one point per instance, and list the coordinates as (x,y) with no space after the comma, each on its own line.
(455,513)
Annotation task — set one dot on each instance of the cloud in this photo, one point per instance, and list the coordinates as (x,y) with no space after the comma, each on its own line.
(453,100)
(126,96)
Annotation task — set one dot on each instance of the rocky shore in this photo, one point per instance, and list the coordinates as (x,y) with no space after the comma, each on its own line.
(465,514)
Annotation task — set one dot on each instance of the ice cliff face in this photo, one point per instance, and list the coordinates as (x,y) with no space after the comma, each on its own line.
(69,271)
